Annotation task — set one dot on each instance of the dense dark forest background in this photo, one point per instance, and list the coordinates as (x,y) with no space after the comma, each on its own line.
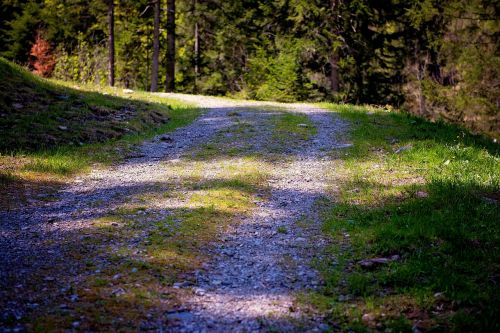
(435,58)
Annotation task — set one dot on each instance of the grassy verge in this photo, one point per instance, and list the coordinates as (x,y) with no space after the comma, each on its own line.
(422,199)
(50,131)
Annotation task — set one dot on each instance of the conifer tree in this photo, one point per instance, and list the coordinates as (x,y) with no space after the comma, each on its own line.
(170,76)
(111,43)
(156,46)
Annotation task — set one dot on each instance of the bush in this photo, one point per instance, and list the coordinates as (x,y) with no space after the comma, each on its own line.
(86,65)
(43,60)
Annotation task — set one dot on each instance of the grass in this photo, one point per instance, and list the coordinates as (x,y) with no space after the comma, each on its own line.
(427,192)
(51,130)
(282,230)
(289,127)
(220,147)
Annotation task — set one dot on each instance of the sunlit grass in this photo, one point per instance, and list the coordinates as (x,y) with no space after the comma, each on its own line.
(57,164)
(419,190)
(222,146)
(289,127)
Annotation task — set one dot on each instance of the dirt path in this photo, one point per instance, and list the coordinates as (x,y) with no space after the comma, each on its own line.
(93,195)
(265,261)
(259,265)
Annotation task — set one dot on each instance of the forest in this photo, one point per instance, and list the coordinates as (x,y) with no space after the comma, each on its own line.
(433,58)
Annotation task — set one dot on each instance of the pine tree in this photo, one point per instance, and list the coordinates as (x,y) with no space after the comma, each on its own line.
(170,76)
(156,46)
(111,43)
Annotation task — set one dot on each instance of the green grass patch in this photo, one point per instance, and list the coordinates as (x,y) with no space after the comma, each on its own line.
(7,177)
(231,142)
(290,127)
(282,230)
(428,193)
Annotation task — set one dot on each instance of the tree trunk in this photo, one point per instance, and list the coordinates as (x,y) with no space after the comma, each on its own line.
(334,72)
(111,22)
(334,57)
(196,47)
(420,75)
(156,46)
(170,79)
(196,56)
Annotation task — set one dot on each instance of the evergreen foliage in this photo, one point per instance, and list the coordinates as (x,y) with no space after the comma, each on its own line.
(438,59)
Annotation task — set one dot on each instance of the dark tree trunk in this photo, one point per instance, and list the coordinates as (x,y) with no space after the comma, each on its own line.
(156,46)
(196,47)
(170,79)
(196,56)
(111,22)
(334,72)
(335,56)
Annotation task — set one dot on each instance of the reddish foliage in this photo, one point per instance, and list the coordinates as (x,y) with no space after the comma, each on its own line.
(44,61)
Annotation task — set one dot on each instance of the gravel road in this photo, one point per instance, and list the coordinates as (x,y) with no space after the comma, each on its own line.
(257,267)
